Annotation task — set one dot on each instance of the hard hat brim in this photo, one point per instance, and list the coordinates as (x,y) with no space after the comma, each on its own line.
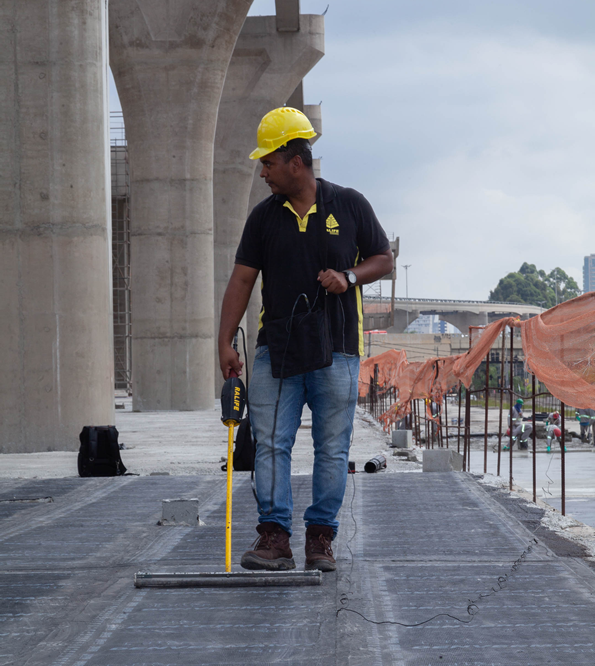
(260,152)
(267,150)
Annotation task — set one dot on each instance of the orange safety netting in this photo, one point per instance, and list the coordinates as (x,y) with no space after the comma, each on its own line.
(559,348)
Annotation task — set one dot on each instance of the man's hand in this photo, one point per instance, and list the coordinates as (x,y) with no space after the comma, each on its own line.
(229,360)
(333,282)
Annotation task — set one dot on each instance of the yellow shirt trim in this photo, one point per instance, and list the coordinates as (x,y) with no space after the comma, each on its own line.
(261,313)
(302,223)
(360,317)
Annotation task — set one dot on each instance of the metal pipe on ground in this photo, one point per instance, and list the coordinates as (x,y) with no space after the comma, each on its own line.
(228,579)
(375,464)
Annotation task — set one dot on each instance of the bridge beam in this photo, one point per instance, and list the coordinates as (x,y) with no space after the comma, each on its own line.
(462,320)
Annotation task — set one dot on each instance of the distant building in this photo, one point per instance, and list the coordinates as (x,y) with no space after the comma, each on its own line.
(423,324)
(429,324)
(589,274)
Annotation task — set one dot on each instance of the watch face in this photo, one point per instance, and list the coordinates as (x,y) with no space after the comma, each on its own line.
(351,278)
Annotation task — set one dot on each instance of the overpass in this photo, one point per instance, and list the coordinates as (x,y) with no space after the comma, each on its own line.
(460,314)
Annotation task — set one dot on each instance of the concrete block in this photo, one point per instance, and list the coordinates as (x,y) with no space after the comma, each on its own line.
(403,439)
(179,512)
(442,460)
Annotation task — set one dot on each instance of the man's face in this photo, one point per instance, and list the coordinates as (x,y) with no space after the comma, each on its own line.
(277,175)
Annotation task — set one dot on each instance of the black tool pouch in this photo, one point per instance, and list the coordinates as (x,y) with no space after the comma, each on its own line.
(302,343)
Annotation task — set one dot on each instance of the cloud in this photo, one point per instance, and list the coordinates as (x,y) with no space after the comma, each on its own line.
(475,147)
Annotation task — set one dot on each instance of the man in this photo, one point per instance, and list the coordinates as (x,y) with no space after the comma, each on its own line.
(553,423)
(282,239)
(586,417)
(521,430)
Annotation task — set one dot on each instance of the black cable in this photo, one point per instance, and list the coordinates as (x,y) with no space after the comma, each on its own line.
(550,481)
(472,606)
(274,431)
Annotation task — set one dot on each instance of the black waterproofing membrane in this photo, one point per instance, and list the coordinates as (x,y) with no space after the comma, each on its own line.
(411,546)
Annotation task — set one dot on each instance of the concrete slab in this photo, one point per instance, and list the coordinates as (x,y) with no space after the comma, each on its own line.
(410,547)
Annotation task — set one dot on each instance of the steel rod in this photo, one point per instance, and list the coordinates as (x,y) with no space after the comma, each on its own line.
(501,400)
(459,422)
(510,412)
(533,438)
(467,439)
(487,400)
(563,458)
(446,416)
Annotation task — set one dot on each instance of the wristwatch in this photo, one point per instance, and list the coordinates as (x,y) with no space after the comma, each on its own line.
(351,278)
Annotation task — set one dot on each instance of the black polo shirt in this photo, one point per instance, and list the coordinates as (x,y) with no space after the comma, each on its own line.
(286,249)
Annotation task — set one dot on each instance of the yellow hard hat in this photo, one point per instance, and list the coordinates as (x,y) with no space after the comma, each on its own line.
(278,127)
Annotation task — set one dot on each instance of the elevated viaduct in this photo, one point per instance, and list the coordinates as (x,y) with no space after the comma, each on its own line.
(461,314)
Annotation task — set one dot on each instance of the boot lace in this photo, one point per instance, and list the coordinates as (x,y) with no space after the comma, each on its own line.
(321,544)
(263,541)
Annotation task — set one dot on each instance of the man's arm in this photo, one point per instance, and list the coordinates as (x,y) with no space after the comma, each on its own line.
(233,307)
(370,270)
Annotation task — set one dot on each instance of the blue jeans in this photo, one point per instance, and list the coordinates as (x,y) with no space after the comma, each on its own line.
(331,394)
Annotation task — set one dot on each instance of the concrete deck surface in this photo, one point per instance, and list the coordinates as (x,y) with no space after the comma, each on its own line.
(411,546)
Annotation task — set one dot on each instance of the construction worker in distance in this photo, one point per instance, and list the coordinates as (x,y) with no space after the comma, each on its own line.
(585,417)
(553,423)
(321,240)
(521,430)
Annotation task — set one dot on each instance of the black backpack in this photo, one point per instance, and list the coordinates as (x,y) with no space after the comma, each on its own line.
(99,453)
(243,456)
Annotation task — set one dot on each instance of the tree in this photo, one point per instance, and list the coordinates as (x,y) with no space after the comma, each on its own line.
(535,287)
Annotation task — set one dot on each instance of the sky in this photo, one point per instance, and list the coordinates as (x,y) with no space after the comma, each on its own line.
(470,127)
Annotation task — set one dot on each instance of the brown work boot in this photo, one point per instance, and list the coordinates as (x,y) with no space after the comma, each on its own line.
(319,554)
(270,551)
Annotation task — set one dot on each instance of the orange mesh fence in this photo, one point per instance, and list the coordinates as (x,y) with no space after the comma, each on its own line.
(389,370)
(559,348)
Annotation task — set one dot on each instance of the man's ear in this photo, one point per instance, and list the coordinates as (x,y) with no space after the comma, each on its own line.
(296,163)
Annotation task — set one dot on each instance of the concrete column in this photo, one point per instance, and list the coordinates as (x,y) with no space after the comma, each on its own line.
(55,276)
(402,319)
(265,69)
(169,59)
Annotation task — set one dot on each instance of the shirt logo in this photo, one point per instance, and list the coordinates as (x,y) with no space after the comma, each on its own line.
(332,226)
